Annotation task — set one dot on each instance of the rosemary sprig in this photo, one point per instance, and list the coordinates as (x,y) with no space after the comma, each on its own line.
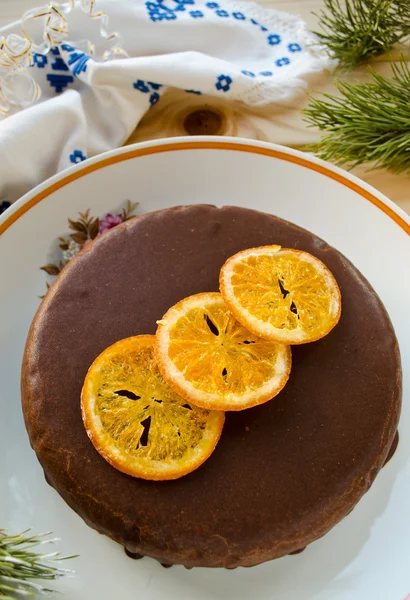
(368,123)
(21,568)
(356,31)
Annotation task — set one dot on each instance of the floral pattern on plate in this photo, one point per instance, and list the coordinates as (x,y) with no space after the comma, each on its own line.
(84,229)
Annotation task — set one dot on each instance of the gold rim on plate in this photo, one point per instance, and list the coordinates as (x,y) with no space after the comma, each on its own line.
(205,145)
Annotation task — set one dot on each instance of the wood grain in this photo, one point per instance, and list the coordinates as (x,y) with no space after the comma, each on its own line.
(280,123)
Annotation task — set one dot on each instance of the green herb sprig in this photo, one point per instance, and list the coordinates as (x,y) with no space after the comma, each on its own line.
(22,570)
(356,31)
(368,123)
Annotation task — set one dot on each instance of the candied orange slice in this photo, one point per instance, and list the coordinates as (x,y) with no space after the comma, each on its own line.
(137,422)
(281,294)
(211,360)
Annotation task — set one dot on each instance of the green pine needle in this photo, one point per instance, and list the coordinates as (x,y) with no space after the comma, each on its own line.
(356,31)
(21,568)
(369,123)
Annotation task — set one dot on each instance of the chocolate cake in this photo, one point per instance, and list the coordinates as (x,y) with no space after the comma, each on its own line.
(283,473)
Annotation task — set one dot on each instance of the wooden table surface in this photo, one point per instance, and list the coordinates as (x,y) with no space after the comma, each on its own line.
(282,124)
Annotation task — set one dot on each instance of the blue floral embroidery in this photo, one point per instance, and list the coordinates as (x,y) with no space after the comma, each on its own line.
(238,15)
(77,156)
(281,62)
(67,47)
(59,82)
(254,22)
(273,39)
(266,73)
(141,86)
(159,12)
(263,28)
(59,65)
(180,7)
(222,13)
(40,60)
(196,14)
(193,92)
(248,73)
(212,5)
(223,83)
(153,99)
(79,61)
(294,48)
(55,51)
(155,86)
(4,206)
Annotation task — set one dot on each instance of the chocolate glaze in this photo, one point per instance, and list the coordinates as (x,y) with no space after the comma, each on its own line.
(390,455)
(297,551)
(393,449)
(133,555)
(283,473)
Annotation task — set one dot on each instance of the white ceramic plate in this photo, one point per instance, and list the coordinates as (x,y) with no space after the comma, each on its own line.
(365,557)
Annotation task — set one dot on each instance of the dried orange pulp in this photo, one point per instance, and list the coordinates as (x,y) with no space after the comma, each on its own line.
(210,359)
(281,294)
(137,422)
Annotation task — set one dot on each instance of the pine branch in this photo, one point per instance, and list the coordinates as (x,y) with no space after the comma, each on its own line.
(369,123)
(356,31)
(21,568)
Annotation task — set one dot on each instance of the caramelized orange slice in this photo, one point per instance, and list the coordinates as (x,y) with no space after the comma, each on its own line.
(211,360)
(280,294)
(137,422)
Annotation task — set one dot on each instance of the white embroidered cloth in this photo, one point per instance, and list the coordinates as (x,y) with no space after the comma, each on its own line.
(89,105)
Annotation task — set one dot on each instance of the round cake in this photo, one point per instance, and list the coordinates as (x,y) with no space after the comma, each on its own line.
(283,473)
